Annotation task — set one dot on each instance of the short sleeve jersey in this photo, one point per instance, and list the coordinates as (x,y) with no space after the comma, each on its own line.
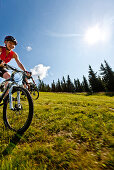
(3,56)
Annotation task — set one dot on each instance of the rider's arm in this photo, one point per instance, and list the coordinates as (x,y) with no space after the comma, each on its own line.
(0,49)
(1,62)
(0,53)
(33,80)
(15,56)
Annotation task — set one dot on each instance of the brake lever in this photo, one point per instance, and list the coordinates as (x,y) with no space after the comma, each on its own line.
(6,66)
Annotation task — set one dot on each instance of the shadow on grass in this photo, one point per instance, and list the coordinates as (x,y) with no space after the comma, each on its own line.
(13,142)
(111,94)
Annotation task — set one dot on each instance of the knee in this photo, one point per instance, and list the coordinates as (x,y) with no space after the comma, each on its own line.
(6,75)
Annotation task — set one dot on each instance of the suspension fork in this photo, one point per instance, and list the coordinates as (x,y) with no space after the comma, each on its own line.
(11,98)
(18,97)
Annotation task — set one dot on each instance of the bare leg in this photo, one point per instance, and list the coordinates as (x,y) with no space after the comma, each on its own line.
(6,76)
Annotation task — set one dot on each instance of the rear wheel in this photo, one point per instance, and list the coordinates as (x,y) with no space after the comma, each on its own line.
(20,117)
(34,93)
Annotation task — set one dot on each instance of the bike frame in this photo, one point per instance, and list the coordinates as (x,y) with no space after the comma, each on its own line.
(9,87)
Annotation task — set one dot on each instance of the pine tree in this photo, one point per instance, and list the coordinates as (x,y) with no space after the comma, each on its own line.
(58,86)
(75,85)
(69,85)
(53,86)
(101,84)
(47,88)
(63,85)
(78,86)
(107,77)
(95,84)
(40,84)
(85,85)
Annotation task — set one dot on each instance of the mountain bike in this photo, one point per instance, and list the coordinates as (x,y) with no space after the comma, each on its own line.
(32,87)
(17,104)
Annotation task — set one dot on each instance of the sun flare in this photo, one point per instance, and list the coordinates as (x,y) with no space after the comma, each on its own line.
(95,34)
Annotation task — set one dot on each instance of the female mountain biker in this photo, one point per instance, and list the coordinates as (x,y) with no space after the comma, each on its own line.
(6,54)
(17,110)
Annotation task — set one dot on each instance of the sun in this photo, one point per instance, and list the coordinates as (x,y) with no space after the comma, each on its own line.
(95,35)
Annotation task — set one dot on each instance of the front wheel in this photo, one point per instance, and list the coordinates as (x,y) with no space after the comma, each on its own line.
(19,118)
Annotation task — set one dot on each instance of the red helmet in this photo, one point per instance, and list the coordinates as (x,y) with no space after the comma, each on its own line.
(10,38)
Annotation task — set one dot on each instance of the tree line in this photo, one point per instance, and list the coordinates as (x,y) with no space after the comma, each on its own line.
(95,83)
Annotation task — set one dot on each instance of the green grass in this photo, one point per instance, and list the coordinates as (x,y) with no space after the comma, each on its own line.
(68,131)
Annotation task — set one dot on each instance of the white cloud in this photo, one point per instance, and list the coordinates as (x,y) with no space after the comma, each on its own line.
(62,35)
(40,70)
(28,48)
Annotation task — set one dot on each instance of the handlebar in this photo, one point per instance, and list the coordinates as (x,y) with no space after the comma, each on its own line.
(12,68)
(15,69)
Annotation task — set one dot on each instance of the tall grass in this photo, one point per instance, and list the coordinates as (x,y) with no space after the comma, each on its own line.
(68,131)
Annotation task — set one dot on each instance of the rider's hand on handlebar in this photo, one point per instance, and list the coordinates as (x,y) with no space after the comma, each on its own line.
(28,74)
(2,63)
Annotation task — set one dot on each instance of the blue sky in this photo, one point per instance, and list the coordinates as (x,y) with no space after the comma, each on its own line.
(60,37)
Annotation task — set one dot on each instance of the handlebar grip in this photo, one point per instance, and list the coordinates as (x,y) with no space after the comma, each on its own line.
(0,61)
(28,72)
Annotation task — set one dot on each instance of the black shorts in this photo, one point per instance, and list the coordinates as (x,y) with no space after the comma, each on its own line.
(2,71)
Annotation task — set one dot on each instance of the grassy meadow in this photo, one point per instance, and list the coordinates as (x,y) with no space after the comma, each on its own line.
(68,131)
